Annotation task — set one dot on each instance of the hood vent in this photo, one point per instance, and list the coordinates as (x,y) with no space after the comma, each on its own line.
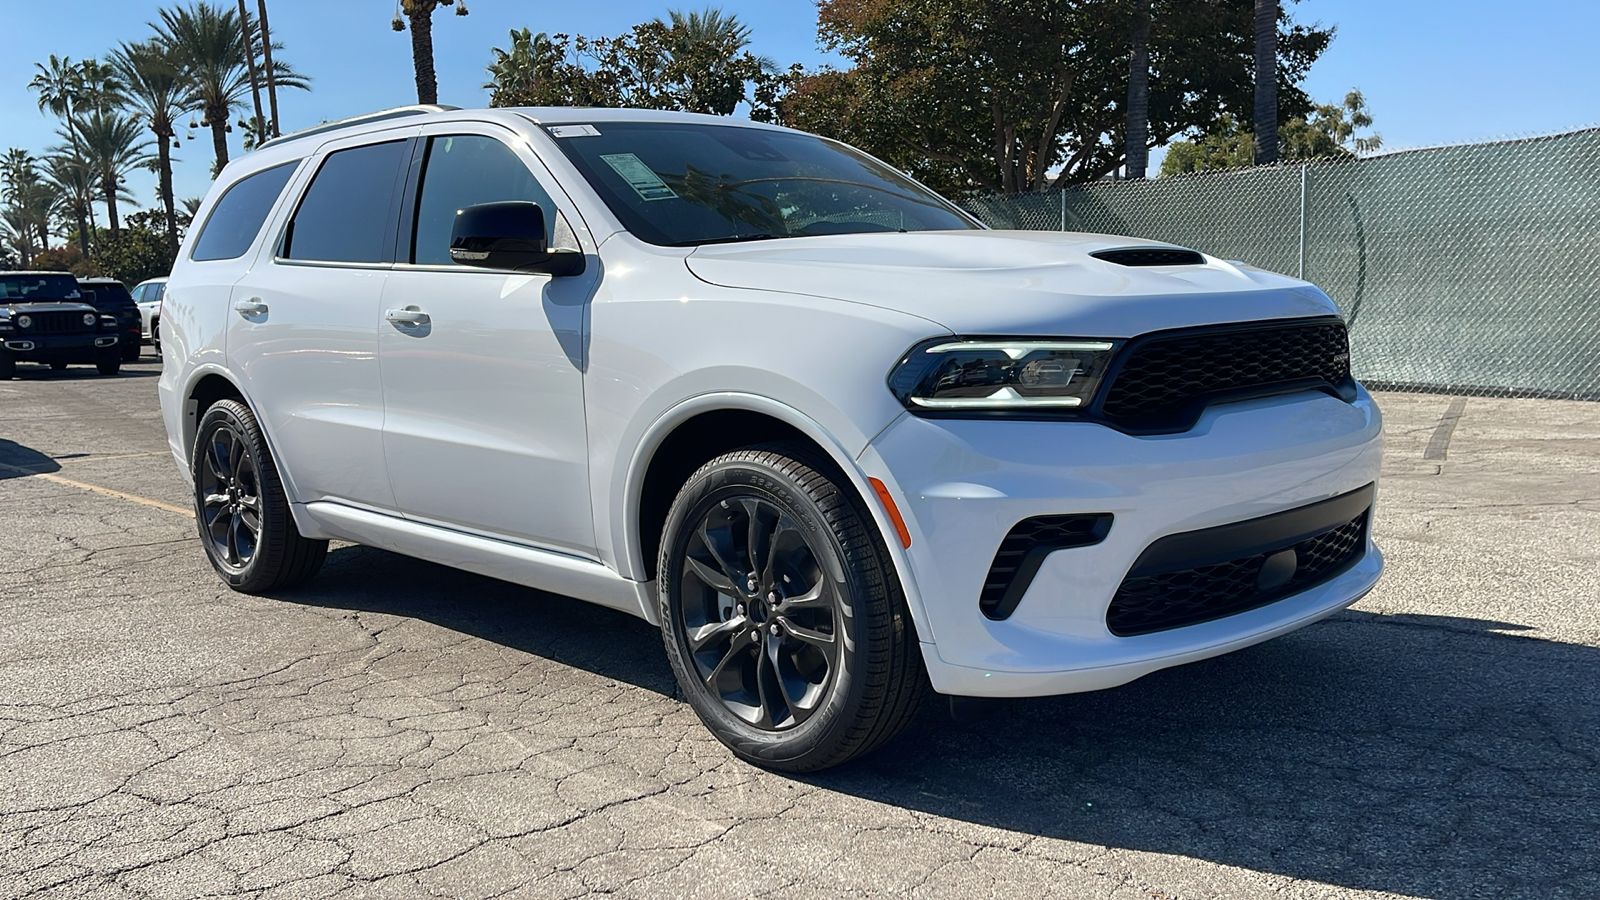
(1151,256)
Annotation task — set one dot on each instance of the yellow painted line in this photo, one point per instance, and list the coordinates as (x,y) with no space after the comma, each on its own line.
(95,488)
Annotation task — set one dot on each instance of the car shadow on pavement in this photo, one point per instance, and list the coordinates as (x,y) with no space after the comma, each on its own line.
(1418,755)
(19,461)
(80,373)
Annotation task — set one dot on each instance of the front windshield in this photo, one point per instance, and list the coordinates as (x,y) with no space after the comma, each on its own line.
(19,288)
(682,184)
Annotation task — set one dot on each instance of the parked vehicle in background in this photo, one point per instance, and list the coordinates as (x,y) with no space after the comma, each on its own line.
(147,296)
(839,440)
(111,296)
(45,319)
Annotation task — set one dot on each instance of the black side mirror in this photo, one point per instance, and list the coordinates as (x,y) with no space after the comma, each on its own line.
(510,236)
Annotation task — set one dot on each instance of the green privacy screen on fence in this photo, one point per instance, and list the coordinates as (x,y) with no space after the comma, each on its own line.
(1473,269)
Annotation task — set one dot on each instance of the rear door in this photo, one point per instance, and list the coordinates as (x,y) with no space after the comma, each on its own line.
(483,371)
(303,333)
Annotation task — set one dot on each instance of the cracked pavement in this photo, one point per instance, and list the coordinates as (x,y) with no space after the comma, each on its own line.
(400,729)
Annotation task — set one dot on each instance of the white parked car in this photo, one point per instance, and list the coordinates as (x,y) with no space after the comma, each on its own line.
(838,439)
(147,296)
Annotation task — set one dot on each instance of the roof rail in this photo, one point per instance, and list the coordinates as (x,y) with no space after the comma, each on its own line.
(420,109)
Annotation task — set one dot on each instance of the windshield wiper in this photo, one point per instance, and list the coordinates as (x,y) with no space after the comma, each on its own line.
(731,239)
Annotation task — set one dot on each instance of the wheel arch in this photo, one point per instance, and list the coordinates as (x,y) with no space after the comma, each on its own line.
(702,428)
(206,386)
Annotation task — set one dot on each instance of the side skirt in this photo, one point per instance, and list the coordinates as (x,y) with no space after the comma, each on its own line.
(527,566)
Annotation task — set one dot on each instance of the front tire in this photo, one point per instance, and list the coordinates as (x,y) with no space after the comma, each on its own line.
(781,613)
(242,509)
(109,363)
(57,366)
(8,365)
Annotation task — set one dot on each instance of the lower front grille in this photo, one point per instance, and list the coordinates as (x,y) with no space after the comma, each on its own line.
(1024,550)
(1151,601)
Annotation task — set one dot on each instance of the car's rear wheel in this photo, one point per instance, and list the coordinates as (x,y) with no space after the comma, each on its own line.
(109,362)
(241,506)
(130,349)
(155,334)
(782,616)
(8,365)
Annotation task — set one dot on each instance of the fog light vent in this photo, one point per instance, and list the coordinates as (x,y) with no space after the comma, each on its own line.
(1023,552)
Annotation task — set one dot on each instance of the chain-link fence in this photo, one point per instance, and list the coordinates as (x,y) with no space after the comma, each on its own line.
(1472,269)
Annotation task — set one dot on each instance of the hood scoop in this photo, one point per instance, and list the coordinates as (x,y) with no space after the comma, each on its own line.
(1151,256)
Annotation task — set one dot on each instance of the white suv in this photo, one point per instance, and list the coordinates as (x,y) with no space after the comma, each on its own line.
(839,440)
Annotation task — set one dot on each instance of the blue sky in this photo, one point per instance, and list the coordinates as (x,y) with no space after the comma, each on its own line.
(1433,71)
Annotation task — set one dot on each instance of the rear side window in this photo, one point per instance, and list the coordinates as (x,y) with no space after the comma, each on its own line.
(234,223)
(465,170)
(347,210)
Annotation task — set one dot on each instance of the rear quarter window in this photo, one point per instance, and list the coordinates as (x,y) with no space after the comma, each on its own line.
(237,218)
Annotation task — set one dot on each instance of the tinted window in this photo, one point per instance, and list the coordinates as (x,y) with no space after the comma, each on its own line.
(345,214)
(462,171)
(38,288)
(234,222)
(682,183)
(108,294)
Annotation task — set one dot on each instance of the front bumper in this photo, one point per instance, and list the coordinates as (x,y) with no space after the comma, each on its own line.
(70,348)
(962,485)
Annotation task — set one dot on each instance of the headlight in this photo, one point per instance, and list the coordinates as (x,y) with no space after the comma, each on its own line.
(24,321)
(1000,375)
(88,318)
(105,321)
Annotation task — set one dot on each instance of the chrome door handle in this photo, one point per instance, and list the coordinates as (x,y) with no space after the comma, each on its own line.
(410,315)
(251,307)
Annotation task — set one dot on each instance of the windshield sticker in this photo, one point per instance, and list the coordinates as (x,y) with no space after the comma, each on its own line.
(644,182)
(564,131)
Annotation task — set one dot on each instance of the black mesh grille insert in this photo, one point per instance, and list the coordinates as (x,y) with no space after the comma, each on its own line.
(1024,550)
(54,323)
(1164,600)
(1164,376)
(1151,256)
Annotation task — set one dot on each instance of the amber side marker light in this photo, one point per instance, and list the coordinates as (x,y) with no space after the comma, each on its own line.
(894,512)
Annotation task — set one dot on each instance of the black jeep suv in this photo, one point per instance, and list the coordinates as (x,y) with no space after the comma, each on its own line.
(43,318)
(111,297)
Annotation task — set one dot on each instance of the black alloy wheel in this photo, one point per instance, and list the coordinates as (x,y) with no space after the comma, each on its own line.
(241,507)
(761,617)
(781,612)
(230,497)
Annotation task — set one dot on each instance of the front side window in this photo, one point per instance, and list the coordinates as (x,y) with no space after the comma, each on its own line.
(464,170)
(237,218)
(345,214)
(681,184)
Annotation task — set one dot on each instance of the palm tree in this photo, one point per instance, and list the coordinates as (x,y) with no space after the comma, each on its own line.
(17,234)
(706,56)
(250,63)
(112,146)
(1138,135)
(99,87)
(420,13)
(58,86)
(70,176)
(207,42)
(1266,118)
(158,95)
(266,57)
(34,200)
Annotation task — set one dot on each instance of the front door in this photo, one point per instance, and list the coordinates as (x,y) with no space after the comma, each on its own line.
(483,371)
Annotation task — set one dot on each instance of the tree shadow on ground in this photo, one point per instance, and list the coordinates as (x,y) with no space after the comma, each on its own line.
(20,461)
(1427,756)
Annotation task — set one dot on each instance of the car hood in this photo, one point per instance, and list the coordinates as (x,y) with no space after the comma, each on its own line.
(19,307)
(1010,282)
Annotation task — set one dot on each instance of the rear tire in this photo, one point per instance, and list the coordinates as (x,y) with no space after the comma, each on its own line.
(8,365)
(782,614)
(109,363)
(130,350)
(241,508)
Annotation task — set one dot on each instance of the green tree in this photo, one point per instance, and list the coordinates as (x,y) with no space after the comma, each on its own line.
(112,147)
(207,43)
(69,173)
(1002,95)
(696,62)
(159,96)
(33,201)
(1329,132)
(132,255)
(420,14)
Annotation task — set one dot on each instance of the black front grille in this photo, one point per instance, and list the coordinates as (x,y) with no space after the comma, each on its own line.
(1024,550)
(54,323)
(1165,380)
(1162,600)
(1151,256)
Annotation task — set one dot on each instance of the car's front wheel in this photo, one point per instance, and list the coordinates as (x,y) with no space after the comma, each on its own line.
(8,365)
(242,509)
(109,361)
(782,616)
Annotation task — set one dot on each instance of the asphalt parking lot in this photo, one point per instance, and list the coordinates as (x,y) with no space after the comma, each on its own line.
(400,729)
